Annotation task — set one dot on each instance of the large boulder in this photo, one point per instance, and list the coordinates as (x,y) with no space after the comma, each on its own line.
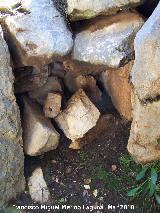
(145,72)
(108,41)
(116,83)
(78,10)
(11,146)
(39,135)
(39,34)
(145,131)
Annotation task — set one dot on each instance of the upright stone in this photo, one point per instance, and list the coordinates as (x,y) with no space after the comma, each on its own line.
(11,146)
(39,34)
(145,131)
(78,10)
(146,69)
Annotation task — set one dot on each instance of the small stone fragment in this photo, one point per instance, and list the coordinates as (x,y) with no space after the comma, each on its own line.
(87,187)
(114,168)
(87,181)
(38,189)
(95,193)
(52,105)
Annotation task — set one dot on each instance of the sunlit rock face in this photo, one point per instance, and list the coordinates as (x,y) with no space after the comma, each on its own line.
(145,130)
(38,34)
(145,72)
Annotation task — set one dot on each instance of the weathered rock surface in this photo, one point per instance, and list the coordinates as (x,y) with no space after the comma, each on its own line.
(36,39)
(116,83)
(78,10)
(29,78)
(79,116)
(52,85)
(38,189)
(145,131)
(108,40)
(39,135)
(145,72)
(52,105)
(11,151)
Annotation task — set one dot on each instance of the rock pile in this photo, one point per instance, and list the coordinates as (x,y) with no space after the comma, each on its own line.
(63,78)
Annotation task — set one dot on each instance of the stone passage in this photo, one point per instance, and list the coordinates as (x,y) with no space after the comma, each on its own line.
(74,63)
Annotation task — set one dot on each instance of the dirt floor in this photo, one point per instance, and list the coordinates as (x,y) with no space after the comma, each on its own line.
(97,176)
(80,178)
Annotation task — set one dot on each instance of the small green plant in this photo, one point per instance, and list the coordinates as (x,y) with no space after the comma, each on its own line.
(148,186)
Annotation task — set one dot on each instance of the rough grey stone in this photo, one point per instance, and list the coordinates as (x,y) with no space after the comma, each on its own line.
(39,35)
(11,151)
(78,10)
(108,40)
(145,131)
(146,69)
